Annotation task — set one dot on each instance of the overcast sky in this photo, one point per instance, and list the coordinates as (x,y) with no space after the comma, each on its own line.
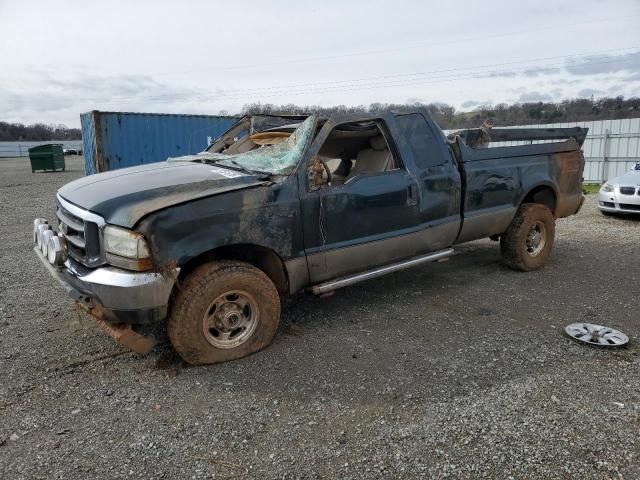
(62,58)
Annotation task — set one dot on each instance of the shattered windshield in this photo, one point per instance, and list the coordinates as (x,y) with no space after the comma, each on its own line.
(275,152)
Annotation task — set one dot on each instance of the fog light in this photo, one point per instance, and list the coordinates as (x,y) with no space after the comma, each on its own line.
(43,227)
(46,235)
(57,250)
(36,222)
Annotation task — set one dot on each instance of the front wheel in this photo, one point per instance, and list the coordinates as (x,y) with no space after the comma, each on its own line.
(223,311)
(528,241)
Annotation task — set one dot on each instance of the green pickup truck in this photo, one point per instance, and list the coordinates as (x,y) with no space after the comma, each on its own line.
(207,244)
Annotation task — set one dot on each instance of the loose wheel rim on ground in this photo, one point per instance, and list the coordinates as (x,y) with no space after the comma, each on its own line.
(599,335)
(536,239)
(230,319)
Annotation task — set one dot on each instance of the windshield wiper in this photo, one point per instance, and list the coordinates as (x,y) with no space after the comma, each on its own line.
(250,171)
(261,175)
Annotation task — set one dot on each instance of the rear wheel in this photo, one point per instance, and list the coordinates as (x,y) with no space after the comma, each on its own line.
(223,311)
(528,241)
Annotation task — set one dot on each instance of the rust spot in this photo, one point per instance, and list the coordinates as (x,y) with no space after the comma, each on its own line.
(125,335)
(568,168)
(121,333)
(168,270)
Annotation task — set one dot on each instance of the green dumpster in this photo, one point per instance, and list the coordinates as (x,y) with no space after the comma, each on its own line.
(47,157)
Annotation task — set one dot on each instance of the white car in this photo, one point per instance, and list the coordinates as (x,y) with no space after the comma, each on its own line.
(72,151)
(622,194)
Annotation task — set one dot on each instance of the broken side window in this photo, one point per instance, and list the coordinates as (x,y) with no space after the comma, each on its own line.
(350,150)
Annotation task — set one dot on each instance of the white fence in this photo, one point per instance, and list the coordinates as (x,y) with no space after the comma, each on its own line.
(611,148)
(21,149)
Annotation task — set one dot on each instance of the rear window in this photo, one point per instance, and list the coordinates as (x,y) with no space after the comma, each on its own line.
(424,144)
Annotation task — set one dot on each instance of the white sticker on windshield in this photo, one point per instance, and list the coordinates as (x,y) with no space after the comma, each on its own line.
(228,173)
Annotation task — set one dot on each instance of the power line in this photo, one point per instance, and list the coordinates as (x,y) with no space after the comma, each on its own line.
(488,74)
(462,73)
(359,81)
(394,50)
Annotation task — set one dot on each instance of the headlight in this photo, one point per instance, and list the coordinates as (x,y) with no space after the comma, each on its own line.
(606,188)
(126,249)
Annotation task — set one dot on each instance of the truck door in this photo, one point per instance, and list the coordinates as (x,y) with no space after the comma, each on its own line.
(366,216)
(425,149)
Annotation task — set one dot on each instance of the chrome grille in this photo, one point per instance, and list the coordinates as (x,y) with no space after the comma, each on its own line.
(72,228)
(82,230)
(628,190)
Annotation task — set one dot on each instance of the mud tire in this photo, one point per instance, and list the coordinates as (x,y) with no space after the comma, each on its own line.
(199,289)
(513,243)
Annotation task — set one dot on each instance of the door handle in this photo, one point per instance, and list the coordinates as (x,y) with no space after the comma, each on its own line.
(412,194)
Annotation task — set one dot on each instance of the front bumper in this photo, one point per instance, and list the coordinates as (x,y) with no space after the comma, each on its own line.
(115,295)
(615,202)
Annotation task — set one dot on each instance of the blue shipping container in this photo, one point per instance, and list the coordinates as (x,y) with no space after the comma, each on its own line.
(113,140)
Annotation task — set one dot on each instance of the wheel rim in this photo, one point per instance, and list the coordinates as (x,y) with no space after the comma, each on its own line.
(536,239)
(230,319)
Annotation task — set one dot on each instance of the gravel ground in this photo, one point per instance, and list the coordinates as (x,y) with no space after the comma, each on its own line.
(452,370)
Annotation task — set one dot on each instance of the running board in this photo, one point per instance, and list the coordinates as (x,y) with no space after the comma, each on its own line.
(332,285)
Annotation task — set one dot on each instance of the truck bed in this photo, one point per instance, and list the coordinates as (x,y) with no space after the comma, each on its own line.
(497,178)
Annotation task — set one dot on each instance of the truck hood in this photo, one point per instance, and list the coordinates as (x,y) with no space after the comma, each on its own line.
(122,197)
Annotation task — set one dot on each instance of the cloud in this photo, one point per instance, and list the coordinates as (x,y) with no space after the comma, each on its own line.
(535,97)
(506,74)
(415,100)
(517,90)
(588,92)
(564,82)
(598,64)
(589,65)
(473,104)
(616,89)
(10,101)
(40,96)
(535,71)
